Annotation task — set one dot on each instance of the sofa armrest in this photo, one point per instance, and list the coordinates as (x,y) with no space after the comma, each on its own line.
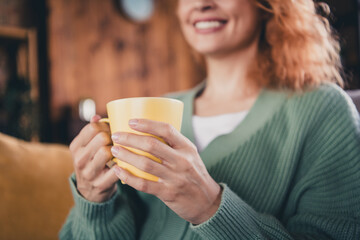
(34,192)
(355,96)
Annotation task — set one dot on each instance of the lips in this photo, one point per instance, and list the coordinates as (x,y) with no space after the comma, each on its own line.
(209,25)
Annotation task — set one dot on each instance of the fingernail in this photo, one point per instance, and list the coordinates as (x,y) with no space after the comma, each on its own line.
(117,170)
(115,137)
(133,122)
(114,150)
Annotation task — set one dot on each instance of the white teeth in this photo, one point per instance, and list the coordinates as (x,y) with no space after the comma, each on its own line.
(208,24)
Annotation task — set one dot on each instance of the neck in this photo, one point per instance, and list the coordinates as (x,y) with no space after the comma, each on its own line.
(228,74)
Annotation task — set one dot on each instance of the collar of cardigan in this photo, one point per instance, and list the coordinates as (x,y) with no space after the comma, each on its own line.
(265,106)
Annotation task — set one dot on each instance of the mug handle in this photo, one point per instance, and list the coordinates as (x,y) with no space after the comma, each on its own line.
(105,120)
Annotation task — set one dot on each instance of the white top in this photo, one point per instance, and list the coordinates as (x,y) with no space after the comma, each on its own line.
(207,129)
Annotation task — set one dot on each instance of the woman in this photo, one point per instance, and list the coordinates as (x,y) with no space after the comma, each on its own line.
(277,142)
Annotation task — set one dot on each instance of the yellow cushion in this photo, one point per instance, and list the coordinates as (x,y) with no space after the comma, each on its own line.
(35,196)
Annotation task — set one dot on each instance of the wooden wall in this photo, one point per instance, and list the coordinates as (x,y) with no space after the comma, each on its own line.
(95,52)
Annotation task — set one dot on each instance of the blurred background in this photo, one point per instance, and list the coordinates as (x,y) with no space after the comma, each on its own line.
(63,60)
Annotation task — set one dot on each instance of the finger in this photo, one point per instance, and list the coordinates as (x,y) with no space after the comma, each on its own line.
(106,181)
(95,118)
(139,184)
(84,155)
(141,162)
(164,130)
(87,134)
(147,144)
(102,139)
(98,164)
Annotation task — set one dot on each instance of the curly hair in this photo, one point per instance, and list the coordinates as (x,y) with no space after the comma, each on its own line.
(298,48)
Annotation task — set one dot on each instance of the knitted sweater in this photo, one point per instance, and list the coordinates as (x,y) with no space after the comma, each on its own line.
(290,170)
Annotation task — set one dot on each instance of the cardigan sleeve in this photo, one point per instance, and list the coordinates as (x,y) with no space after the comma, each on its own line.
(324,201)
(113,219)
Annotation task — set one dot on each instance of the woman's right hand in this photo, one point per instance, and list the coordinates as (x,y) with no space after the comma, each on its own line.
(91,151)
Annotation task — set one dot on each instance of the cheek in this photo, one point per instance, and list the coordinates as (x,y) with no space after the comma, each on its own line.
(246,19)
(185,26)
(189,35)
(182,10)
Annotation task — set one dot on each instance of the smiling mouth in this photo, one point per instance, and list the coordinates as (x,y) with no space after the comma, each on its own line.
(209,24)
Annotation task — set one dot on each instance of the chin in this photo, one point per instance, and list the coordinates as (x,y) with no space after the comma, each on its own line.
(210,51)
(206,47)
(205,52)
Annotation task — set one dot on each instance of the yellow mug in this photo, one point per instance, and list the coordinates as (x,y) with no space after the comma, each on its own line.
(161,109)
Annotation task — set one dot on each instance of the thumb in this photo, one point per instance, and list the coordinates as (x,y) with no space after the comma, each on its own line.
(95,119)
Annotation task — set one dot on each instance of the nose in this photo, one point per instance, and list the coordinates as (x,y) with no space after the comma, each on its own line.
(204,5)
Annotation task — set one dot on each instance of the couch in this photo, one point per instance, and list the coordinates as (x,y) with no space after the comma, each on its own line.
(355,96)
(35,197)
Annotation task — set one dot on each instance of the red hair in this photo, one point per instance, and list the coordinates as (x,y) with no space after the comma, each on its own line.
(297,48)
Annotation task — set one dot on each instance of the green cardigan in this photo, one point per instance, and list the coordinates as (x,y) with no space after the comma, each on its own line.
(290,170)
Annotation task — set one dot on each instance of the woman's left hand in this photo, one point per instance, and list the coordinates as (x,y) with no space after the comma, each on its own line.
(184,184)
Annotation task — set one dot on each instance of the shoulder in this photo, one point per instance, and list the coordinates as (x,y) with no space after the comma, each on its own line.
(324,110)
(325,92)
(331,91)
(326,115)
(325,99)
(182,95)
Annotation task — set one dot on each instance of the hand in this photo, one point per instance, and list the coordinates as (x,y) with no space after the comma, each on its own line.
(184,184)
(91,151)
